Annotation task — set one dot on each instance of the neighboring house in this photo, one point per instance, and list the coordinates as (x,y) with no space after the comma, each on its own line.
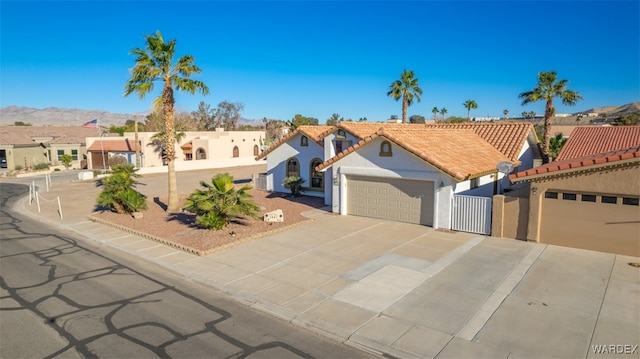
(404,172)
(589,197)
(27,146)
(196,150)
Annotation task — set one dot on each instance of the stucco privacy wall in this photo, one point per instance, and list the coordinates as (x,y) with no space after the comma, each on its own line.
(604,227)
(366,161)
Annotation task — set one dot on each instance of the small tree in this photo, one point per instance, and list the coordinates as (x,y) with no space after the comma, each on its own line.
(555,144)
(218,203)
(119,194)
(66,160)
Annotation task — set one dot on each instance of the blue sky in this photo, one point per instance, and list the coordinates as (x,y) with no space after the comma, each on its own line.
(320,58)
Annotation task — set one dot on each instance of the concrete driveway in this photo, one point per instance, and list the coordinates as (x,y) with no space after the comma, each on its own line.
(414,292)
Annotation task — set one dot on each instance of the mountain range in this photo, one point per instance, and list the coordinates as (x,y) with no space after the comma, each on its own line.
(54,116)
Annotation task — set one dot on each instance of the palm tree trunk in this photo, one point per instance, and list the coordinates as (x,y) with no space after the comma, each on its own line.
(405,104)
(169,145)
(548,115)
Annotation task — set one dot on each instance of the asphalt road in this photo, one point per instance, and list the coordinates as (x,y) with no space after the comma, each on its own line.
(62,297)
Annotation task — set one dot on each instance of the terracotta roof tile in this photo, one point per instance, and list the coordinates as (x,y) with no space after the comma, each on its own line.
(589,140)
(462,154)
(113,145)
(573,164)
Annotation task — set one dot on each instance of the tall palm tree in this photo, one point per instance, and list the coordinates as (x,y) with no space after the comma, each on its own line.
(406,88)
(548,88)
(155,63)
(443,111)
(469,104)
(435,111)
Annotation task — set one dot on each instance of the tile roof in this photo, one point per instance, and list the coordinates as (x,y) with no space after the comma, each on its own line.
(462,153)
(629,154)
(113,145)
(506,137)
(24,135)
(590,140)
(316,133)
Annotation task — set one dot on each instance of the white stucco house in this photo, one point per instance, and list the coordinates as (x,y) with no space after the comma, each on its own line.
(196,150)
(405,172)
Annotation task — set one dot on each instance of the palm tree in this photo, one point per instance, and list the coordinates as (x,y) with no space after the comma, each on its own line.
(443,111)
(406,88)
(548,88)
(435,111)
(155,63)
(469,104)
(506,113)
(218,203)
(119,194)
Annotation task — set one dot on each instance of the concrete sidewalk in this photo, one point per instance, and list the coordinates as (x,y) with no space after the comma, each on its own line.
(403,290)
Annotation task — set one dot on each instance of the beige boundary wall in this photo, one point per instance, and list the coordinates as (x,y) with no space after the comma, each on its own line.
(510,217)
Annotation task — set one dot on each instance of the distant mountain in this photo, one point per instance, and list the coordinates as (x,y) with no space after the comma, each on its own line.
(55,116)
(613,111)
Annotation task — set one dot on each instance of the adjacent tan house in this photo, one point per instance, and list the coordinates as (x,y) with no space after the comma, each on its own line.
(588,198)
(24,147)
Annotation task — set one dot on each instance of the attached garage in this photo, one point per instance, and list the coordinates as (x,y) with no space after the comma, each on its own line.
(402,200)
(599,222)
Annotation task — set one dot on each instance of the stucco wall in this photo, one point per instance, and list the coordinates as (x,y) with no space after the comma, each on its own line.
(605,227)
(366,161)
(510,217)
(277,163)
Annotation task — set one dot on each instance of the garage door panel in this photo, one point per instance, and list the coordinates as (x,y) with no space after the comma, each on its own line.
(591,225)
(392,199)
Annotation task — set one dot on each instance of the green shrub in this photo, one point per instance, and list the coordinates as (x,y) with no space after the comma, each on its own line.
(19,168)
(66,160)
(42,166)
(294,183)
(56,170)
(218,203)
(119,194)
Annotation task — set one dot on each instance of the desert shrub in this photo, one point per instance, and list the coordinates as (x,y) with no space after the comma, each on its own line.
(218,203)
(117,160)
(19,168)
(56,170)
(294,183)
(119,194)
(42,166)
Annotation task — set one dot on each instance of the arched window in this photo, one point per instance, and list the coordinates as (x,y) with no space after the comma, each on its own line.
(304,141)
(385,149)
(201,154)
(317,178)
(236,151)
(256,150)
(341,134)
(293,167)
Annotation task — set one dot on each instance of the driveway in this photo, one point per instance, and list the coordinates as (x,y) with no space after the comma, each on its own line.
(411,291)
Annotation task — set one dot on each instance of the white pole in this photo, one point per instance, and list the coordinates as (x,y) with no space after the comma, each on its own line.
(38,201)
(60,208)
(46,182)
(49,177)
(104,166)
(30,195)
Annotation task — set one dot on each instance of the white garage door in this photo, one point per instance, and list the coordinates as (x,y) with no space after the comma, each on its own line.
(391,199)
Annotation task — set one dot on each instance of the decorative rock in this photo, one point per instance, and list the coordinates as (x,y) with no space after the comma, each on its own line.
(137,215)
(274,216)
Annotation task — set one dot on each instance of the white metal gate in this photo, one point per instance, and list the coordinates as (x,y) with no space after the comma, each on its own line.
(471,214)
